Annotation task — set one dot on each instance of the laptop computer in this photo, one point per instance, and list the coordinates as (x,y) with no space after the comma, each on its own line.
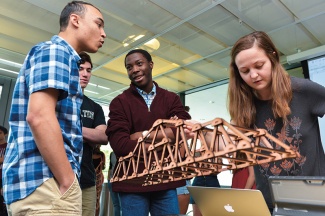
(298,195)
(229,202)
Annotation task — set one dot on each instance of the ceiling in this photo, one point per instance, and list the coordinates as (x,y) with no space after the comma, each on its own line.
(195,36)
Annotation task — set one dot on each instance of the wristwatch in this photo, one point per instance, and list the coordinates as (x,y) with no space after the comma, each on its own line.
(145,134)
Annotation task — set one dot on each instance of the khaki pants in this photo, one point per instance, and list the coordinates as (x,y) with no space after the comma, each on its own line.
(47,200)
(89,201)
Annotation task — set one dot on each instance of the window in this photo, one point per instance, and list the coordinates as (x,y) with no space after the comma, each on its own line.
(0,90)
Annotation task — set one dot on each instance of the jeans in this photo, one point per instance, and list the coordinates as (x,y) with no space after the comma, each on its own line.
(183,189)
(115,200)
(158,203)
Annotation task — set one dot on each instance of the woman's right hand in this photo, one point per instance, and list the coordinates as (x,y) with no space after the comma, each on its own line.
(188,126)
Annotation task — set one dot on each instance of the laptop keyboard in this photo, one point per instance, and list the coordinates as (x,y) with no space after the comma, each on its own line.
(292,212)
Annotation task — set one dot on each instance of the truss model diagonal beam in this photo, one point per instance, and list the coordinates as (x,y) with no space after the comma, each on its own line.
(228,147)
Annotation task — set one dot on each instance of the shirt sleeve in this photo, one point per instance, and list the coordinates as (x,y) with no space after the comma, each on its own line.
(315,94)
(99,118)
(118,129)
(48,67)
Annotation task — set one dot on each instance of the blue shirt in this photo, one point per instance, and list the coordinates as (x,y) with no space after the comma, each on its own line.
(148,97)
(51,64)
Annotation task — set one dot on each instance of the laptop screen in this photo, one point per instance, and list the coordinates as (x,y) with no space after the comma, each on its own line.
(303,194)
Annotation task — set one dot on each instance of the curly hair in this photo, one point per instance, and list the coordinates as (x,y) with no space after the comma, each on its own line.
(85,58)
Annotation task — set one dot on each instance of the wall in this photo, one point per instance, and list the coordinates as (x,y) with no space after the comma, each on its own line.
(209,104)
(7,85)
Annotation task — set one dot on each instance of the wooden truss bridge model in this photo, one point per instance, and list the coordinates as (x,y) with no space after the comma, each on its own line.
(165,160)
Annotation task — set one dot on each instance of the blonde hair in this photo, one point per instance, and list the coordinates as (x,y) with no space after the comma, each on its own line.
(241,96)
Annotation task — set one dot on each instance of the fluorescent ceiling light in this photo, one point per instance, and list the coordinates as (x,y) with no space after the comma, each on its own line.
(99,86)
(138,37)
(91,91)
(10,63)
(103,87)
(131,39)
(9,71)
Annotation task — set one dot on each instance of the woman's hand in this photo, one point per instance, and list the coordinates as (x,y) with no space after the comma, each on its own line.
(188,126)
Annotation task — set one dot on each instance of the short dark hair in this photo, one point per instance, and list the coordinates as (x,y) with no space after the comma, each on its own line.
(143,52)
(4,130)
(76,7)
(85,58)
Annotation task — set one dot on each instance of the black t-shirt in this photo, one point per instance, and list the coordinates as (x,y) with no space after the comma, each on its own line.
(302,134)
(92,116)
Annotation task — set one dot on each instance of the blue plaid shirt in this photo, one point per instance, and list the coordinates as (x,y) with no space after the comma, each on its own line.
(51,64)
(148,97)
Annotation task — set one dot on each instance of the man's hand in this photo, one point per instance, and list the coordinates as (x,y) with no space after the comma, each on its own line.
(136,135)
(66,184)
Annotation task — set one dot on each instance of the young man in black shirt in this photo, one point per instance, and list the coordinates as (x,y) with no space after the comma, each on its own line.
(93,132)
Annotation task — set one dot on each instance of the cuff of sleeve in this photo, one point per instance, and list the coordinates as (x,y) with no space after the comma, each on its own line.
(145,134)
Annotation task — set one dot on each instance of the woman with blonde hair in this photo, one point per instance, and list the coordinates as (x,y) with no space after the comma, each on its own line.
(261,94)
